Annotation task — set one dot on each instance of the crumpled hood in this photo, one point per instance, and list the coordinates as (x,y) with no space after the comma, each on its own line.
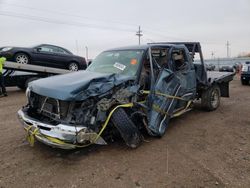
(77,86)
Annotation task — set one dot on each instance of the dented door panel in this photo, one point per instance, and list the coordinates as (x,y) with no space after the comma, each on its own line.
(161,106)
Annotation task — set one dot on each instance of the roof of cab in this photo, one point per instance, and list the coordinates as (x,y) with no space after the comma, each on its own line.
(191,46)
(141,47)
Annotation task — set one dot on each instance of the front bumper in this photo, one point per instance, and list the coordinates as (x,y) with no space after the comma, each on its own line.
(8,55)
(47,134)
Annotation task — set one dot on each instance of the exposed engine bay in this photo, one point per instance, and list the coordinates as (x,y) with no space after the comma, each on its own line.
(91,113)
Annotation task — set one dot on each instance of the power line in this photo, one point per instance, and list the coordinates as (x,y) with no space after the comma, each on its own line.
(164,36)
(107,21)
(42,19)
(67,14)
(71,23)
(72,15)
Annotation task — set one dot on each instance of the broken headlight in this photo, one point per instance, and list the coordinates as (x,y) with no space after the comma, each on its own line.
(85,136)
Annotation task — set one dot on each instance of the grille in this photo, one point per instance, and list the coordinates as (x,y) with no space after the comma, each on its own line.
(49,107)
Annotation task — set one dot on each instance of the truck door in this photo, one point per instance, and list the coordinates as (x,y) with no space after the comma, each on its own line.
(177,80)
(184,70)
(161,107)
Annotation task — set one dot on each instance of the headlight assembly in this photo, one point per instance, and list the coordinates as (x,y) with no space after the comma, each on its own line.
(6,49)
(27,93)
(85,136)
(82,136)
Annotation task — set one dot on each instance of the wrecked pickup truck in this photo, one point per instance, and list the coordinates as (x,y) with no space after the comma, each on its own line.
(125,91)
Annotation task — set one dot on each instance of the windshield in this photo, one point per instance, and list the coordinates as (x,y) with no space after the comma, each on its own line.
(119,61)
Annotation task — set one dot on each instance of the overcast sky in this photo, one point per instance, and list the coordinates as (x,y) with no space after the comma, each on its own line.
(104,24)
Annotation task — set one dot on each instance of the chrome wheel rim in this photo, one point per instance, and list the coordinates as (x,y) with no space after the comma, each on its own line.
(73,67)
(215,99)
(22,59)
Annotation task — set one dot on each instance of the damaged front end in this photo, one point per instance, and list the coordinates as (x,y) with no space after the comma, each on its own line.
(72,124)
(123,91)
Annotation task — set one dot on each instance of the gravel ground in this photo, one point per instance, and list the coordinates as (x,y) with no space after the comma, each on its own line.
(200,149)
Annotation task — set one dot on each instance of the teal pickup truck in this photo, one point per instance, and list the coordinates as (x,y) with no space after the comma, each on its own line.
(124,92)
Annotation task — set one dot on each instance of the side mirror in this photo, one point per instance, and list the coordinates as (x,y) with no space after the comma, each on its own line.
(38,49)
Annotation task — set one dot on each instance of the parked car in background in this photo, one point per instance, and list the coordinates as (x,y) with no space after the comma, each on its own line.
(45,55)
(210,67)
(245,73)
(226,68)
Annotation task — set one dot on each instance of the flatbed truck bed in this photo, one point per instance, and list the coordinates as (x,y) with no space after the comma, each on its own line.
(20,75)
(220,76)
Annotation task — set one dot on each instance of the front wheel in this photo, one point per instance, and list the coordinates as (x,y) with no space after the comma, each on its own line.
(210,99)
(73,66)
(22,58)
(127,129)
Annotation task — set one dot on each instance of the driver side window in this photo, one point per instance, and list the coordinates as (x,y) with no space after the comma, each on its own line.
(180,62)
(46,49)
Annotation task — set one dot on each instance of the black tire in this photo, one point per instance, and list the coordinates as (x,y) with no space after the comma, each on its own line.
(22,58)
(210,99)
(73,66)
(244,82)
(127,129)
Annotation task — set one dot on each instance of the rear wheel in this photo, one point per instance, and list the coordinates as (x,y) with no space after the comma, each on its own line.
(73,66)
(210,99)
(22,58)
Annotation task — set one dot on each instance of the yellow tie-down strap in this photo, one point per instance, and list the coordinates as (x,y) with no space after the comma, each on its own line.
(31,134)
(164,95)
(159,110)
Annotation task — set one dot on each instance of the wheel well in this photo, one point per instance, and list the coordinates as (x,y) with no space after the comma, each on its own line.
(73,62)
(207,101)
(22,53)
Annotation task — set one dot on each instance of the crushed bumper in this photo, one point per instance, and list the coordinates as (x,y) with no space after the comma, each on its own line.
(59,136)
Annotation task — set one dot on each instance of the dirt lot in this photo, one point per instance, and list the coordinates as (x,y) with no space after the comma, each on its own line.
(200,149)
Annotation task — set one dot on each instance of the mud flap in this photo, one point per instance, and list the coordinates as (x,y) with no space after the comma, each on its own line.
(162,107)
(127,129)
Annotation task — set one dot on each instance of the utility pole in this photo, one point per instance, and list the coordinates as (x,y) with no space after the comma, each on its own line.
(87,53)
(139,34)
(227,44)
(212,55)
(77,49)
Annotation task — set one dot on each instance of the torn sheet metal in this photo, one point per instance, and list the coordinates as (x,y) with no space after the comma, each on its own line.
(162,107)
